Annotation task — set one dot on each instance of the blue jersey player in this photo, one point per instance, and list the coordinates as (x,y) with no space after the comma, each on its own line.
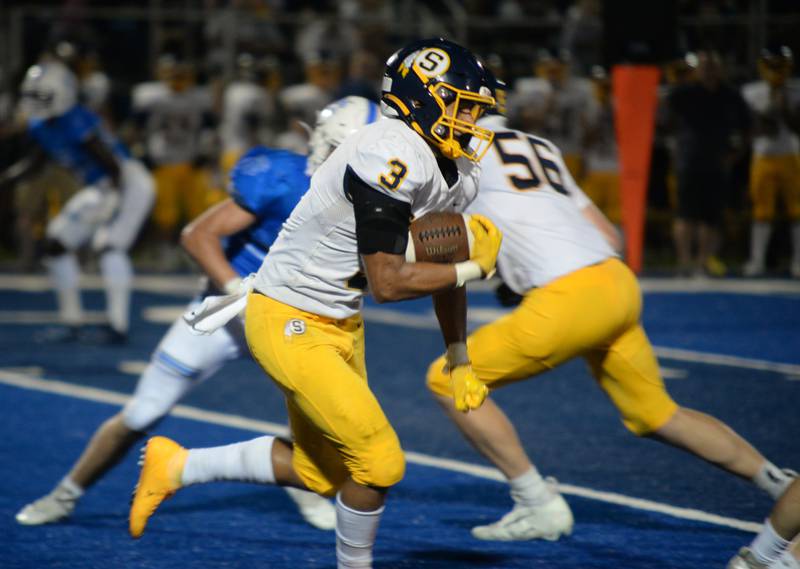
(229,241)
(106,214)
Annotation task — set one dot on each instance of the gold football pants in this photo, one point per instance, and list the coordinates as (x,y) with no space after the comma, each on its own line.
(338,426)
(771,178)
(592,312)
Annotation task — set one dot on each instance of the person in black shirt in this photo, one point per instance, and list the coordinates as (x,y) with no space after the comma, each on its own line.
(709,120)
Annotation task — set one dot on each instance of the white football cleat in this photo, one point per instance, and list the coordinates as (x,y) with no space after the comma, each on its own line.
(315,509)
(48,509)
(548,521)
(745,560)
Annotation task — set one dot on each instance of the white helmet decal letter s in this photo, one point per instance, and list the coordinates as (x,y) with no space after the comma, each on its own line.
(432,62)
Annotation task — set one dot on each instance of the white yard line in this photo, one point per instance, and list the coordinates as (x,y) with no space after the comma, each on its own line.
(24,381)
(188,284)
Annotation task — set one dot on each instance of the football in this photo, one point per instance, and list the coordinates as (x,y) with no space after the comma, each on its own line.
(439,237)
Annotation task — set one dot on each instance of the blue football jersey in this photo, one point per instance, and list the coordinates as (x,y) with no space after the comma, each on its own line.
(268,183)
(63,138)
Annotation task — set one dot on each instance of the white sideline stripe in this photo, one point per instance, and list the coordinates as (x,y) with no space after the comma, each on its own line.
(104,396)
(47,317)
(721,359)
(189,284)
(428,322)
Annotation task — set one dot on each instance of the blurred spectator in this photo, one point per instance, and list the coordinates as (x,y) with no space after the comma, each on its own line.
(601,182)
(364,75)
(709,119)
(582,34)
(248,110)
(775,168)
(175,122)
(553,104)
(303,101)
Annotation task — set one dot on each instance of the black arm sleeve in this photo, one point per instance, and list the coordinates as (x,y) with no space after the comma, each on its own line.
(381,221)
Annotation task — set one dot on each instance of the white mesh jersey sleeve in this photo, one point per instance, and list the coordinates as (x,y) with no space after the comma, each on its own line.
(526,190)
(390,162)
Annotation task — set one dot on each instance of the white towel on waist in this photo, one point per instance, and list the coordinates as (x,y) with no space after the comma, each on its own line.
(216,311)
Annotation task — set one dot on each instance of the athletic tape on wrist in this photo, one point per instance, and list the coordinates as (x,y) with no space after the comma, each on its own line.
(467,271)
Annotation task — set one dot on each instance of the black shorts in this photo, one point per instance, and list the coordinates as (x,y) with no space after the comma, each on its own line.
(701,194)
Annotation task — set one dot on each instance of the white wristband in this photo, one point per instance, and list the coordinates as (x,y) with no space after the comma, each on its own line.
(232,286)
(467,271)
(457,354)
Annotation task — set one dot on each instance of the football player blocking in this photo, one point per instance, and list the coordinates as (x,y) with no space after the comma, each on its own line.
(303,319)
(266,185)
(579,300)
(106,214)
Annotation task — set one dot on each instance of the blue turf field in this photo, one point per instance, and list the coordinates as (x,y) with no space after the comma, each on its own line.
(566,423)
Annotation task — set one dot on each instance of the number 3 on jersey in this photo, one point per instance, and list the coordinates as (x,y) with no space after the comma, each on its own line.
(395,176)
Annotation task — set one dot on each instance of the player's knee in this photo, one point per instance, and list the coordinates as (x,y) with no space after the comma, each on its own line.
(115,265)
(143,412)
(383,467)
(649,420)
(437,380)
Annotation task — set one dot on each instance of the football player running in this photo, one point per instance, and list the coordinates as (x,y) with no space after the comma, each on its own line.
(303,319)
(775,168)
(106,214)
(578,300)
(229,242)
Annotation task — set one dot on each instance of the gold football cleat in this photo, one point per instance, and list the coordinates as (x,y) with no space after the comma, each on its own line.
(162,464)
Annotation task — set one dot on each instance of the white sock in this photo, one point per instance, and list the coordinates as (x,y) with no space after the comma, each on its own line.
(796,242)
(355,535)
(786,561)
(530,489)
(65,277)
(772,480)
(250,461)
(759,240)
(117,272)
(768,545)
(69,488)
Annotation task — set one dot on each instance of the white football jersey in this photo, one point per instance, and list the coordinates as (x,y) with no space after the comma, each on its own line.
(174,120)
(785,141)
(526,190)
(241,102)
(314,264)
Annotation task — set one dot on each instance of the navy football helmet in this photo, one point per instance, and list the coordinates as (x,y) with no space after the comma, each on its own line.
(429,84)
(775,63)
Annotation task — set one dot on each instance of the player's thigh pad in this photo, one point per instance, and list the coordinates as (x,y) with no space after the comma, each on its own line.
(337,423)
(555,323)
(169,179)
(764,177)
(181,361)
(138,195)
(74,225)
(790,185)
(628,372)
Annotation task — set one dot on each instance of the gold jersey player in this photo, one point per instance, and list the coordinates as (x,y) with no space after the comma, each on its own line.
(303,321)
(579,299)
